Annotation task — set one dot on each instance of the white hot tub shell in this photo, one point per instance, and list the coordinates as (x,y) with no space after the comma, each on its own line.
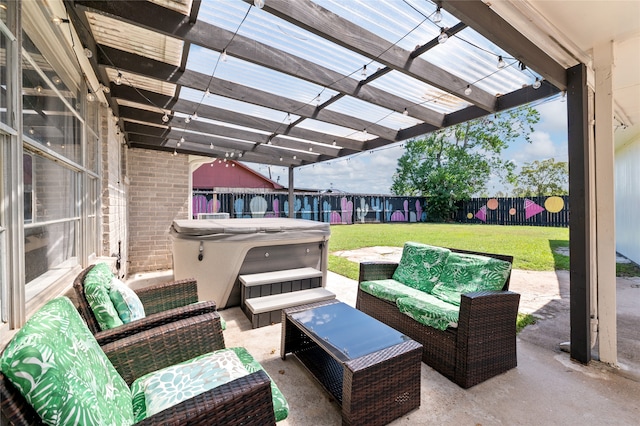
(216,251)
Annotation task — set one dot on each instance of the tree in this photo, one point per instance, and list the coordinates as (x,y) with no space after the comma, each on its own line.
(546,177)
(452,164)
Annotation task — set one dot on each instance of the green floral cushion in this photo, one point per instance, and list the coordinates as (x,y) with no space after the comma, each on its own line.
(280,404)
(466,273)
(421,265)
(164,388)
(97,285)
(389,289)
(126,301)
(430,311)
(56,363)
(170,386)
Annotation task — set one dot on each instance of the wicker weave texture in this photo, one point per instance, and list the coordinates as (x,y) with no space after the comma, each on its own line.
(374,389)
(482,346)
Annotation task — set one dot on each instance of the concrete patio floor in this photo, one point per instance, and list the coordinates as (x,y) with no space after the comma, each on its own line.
(546,388)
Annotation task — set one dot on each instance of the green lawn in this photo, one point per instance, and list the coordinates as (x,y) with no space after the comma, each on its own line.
(532,247)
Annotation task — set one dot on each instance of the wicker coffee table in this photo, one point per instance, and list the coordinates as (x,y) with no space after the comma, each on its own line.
(372,370)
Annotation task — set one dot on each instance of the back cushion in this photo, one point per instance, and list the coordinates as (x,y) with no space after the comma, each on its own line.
(465,273)
(421,265)
(97,285)
(58,366)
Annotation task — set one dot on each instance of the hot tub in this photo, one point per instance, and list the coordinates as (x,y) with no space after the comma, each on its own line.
(216,251)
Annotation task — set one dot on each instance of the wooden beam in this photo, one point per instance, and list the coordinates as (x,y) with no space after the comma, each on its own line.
(479,16)
(248,49)
(144,66)
(345,33)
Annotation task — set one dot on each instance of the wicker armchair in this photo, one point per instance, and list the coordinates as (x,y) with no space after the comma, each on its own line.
(482,346)
(163,304)
(244,401)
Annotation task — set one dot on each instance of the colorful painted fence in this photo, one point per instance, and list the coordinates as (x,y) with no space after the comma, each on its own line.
(332,208)
(539,211)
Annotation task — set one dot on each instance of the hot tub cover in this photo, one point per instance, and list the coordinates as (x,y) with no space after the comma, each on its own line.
(220,229)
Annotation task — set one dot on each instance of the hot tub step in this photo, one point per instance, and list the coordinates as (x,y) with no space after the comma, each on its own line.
(267,310)
(277,282)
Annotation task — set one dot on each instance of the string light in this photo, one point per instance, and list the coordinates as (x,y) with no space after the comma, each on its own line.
(467,91)
(537,83)
(207,93)
(119,79)
(175,152)
(443,37)
(187,119)
(437,17)
(364,72)
(405,112)
(181,141)
(195,116)
(223,55)
(90,96)
(211,145)
(501,62)
(258,3)
(39,89)
(165,118)
(58,21)
(88,53)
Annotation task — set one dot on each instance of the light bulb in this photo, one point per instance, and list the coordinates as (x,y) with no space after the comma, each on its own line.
(258,3)
(207,93)
(91,97)
(437,17)
(88,53)
(223,55)
(364,131)
(443,37)
(537,83)
(233,164)
(501,63)
(405,112)
(211,145)
(104,88)
(289,118)
(226,154)
(334,143)
(57,20)
(239,154)
(232,154)
(294,157)
(195,115)
(119,79)
(310,148)
(165,118)
(467,91)
(48,143)
(175,152)
(39,89)
(56,80)
(280,158)
(180,142)
(318,100)
(31,131)
(187,119)
(364,72)
(226,165)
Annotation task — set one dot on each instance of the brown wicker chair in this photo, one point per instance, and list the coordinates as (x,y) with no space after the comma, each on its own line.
(244,401)
(163,304)
(482,346)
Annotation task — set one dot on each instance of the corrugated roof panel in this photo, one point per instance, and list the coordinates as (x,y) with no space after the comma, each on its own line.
(275,32)
(332,129)
(144,83)
(181,6)
(251,75)
(134,39)
(372,113)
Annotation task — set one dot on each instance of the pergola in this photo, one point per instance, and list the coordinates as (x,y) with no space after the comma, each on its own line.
(292,83)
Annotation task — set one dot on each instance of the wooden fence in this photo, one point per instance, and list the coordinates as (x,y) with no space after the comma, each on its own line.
(359,208)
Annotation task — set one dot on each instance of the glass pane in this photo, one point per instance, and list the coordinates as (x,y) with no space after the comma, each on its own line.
(329,322)
(48,246)
(49,190)
(46,118)
(5,45)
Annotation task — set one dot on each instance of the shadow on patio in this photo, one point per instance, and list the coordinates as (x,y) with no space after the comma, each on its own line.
(545,388)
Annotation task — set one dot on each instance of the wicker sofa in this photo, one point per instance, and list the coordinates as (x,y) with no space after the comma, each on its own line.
(82,386)
(479,343)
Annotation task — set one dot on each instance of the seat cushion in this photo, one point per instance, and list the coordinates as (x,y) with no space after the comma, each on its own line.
(165,388)
(162,389)
(466,273)
(97,285)
(421,265)
(126,301)
(429,310)
(56,363)
(389,289)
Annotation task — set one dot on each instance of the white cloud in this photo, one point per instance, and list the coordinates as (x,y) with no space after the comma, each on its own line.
(553,117)
(540,148)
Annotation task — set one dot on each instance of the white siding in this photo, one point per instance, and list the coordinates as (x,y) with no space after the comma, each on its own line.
(627,192)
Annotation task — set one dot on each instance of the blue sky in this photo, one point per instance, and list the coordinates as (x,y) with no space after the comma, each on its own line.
(371,172)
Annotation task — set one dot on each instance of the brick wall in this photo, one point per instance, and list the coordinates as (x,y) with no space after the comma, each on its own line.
(158,194)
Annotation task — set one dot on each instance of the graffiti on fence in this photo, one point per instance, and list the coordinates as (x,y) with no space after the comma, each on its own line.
(516,211)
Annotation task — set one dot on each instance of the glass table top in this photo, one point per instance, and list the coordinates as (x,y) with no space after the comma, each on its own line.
(349,332)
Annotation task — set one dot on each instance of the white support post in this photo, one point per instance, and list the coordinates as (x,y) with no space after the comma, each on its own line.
(605,202)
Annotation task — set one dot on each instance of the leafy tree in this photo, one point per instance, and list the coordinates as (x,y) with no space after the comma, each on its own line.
(452,164)
(546,177)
